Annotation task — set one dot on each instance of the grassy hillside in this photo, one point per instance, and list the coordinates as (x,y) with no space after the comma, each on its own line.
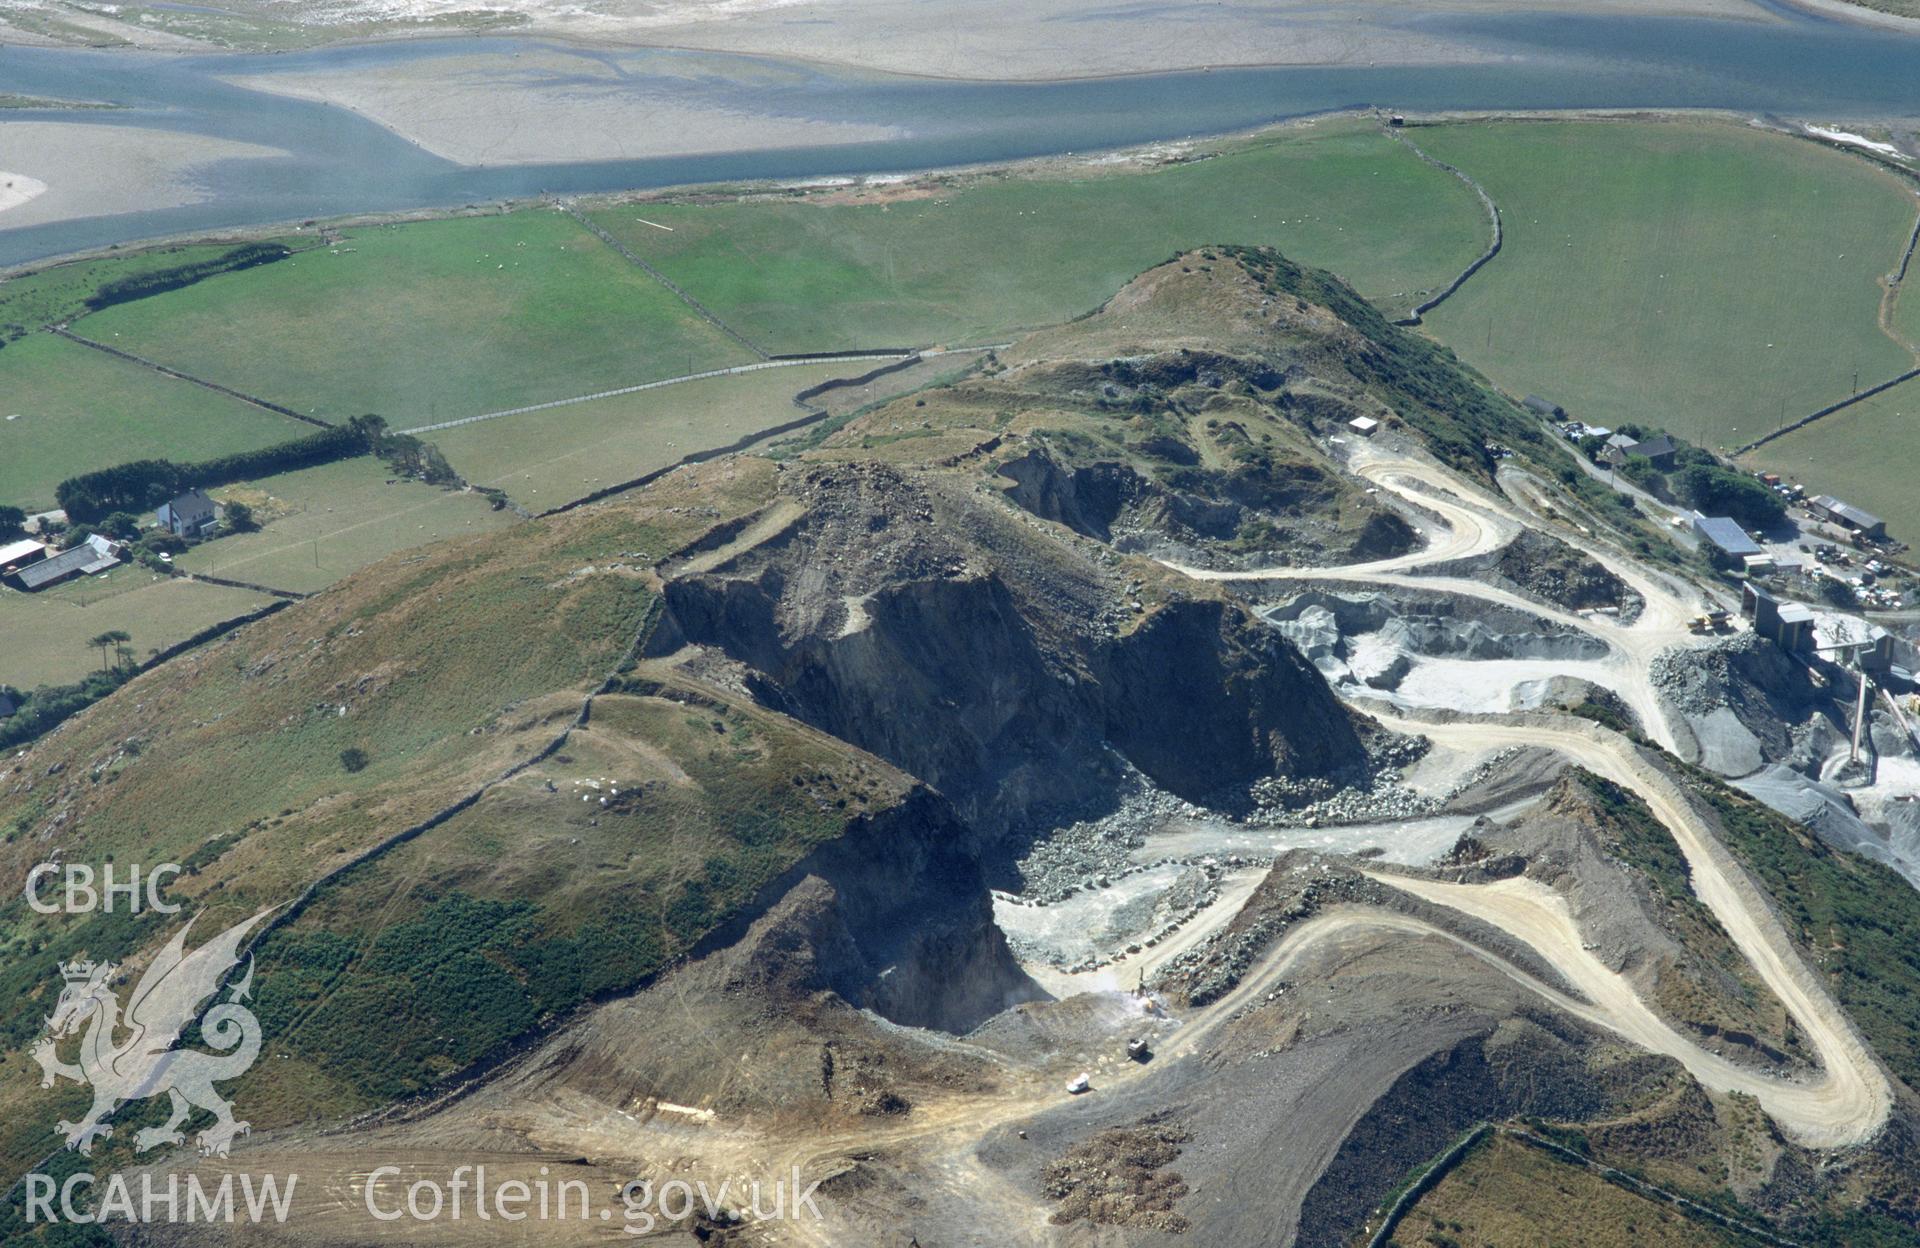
(1702,277)
(66,409)
(283,753)
(538,897)
(1423,383)
(973,259)
(427,321)
(1851,916)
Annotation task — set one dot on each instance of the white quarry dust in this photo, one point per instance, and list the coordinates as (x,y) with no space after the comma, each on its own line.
(1488,684)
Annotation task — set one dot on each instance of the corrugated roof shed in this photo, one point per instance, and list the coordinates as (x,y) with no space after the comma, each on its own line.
(82,560)
(15,552)
(1723,532)
(1854,516)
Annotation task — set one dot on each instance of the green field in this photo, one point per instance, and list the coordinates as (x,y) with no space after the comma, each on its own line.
(46,633)
(336,519)
(66,409)
(427,321)
(1864,454)
(1700,276)
(58,294)
(976,260)
(544,459)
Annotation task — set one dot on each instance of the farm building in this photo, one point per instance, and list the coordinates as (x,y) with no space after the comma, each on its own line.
(1544,407)
(96,554)
(1365,426)
(1865,523)
(190,515)
(1622,447)
(1727,535)
(17,555)
(1616,450)
(1659,448)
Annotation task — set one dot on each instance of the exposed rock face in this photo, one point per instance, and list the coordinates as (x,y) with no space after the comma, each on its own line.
(1371,638)
(894,916)
(1270,505)
(1002,665)
(1541,566)
(1087,500)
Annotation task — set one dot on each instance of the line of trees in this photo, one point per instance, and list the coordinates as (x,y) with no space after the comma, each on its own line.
(146,483)
(159,281)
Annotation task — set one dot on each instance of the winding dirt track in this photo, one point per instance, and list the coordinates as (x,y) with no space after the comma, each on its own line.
(1477,523)
(1845,1105)
(1851,1099)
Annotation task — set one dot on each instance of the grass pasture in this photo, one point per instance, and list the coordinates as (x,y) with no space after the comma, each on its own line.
(66,409)
(1702,276)
(427,321)
(1864,454)
(59,293)
(544,459)
(336,519)
(46,633)
(974,261)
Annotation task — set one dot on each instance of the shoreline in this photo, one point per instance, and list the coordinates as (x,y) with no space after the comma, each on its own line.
(1033,166)
(680,37)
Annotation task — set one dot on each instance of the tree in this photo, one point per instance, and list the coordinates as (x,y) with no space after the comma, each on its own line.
(112,639)
(240,518)
(13,522)
(1713,490)
(353,758)
(120,526)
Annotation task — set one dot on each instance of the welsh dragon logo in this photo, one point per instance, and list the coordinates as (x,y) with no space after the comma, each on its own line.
(164,1004)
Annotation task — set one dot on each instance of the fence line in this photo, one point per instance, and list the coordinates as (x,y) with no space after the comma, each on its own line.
(711,373)
(1828,410)
(1493,248)
(633,257)
(189,378)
